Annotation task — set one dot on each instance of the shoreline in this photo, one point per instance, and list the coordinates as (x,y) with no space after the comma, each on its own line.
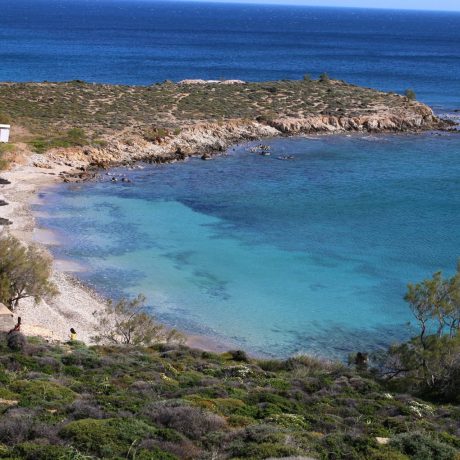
(75,304)
(76,301)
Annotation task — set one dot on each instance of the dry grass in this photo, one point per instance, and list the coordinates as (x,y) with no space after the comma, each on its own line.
(100,109)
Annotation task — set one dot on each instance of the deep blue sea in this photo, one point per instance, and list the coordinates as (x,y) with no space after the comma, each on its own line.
(309,255)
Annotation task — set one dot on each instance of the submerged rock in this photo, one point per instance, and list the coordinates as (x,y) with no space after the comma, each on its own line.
(4,221)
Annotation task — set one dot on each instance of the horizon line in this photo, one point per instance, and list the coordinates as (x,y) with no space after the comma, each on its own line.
(306,5)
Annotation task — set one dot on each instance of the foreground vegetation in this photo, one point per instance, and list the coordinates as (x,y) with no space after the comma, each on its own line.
(164,402)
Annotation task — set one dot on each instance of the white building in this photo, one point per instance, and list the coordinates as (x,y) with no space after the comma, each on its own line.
(4,133)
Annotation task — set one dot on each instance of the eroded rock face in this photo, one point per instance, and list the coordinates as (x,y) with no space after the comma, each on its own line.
(417,117)
(208,138)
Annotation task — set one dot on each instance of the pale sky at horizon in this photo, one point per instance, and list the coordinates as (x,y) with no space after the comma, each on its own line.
(437,5)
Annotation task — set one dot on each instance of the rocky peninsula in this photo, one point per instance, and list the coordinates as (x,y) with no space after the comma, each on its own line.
(83,125)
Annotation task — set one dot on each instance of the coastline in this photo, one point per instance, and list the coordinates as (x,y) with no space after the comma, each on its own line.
(76,302)
(74,305)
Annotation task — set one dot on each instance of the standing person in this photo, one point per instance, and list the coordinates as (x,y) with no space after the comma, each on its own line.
(73,334)
(16,328)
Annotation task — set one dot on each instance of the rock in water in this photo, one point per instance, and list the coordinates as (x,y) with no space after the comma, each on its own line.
(4,221)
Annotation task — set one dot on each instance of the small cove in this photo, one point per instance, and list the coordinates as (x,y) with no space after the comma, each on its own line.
(278,257)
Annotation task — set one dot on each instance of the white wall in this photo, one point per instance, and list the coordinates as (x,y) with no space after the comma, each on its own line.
(4,133)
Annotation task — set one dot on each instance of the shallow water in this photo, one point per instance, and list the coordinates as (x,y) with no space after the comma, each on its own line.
(311,254)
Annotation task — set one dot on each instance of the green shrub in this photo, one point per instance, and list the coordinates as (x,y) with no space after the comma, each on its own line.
(8,394)
(264,450)
(155,134)
(4,119)
(410,94)
(108,438)
(16,341)
(419,446)
(75,137)
(5,155)
(42,392)
(31,451)
(238,355)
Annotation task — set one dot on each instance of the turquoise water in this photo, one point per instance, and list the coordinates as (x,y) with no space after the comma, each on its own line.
(274,256)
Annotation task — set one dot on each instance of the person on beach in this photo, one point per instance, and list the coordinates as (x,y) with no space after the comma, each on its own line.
(73,334)
(16,328)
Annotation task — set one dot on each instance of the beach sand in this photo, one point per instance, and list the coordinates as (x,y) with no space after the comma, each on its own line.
(75,304)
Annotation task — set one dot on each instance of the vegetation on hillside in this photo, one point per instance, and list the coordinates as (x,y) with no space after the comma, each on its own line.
(169,401)
(51,112)
(6,151)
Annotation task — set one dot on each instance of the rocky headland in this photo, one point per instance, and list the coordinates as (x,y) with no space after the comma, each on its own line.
(81,125)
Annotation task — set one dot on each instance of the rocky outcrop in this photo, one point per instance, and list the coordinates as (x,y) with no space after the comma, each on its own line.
(209,138)
(417,117)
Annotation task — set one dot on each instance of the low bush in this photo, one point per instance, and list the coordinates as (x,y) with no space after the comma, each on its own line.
(238,355)
(410,94)
(419,446)
(43,392)
(194,422)
(107,438)
(16,341)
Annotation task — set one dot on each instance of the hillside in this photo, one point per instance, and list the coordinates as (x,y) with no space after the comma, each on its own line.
(119,124)
(165,402)
(98,107)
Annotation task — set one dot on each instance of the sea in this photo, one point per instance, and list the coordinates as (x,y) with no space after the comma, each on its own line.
(311,255)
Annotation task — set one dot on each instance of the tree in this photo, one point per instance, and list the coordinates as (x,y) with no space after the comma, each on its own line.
(430,361)
(435,304)
(25,271)
(410,94)
(127,322)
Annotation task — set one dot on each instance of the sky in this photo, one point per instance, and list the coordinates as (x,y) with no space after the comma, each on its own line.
(442,5)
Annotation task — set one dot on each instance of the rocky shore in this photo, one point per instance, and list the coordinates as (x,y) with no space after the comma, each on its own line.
(206,139)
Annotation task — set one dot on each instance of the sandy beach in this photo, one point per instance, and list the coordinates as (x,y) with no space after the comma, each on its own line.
(75,304)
